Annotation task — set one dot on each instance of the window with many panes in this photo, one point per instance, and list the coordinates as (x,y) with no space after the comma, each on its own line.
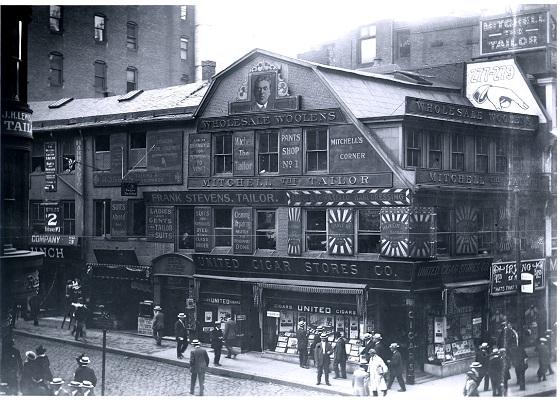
(38,156)
(481,150)
(137,152)
(266,229)
(67,154)
(55,19)
(501,155)
(101,217)
(68,209)
(403,44)
(485,229)
(517,156)
(222,227)
(368,44)
(100,74)
(435,150)
(131,79)
(102,152)
(268,152)
(37,217)
(316,149)
(184,48)
(136,216)
(131,35)
(457,152)
(316,230)
(369,231)
(223,151)
(99,28)
(186,227)
(413,148)
(55,69)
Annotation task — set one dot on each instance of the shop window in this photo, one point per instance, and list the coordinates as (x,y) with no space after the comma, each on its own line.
(100,75)
(67,155)
(501,155)
(268,152)
(183,13)
(403,44)
(481,148)
(186,227)
(435,150)
(485,230)
(316,230)
(368,44)
(131,79)
(184,47)
(99,28)
(413,149)
(37,217)
(102,152)
(55,69)
(38,156)
(68,209)
(266,229)
(222,227)
(457,152)
(223,151)
(369,239)
(136,216)
(131,35)
(102,217)
(443,220)
(137,153)
(55,19)
(316,149)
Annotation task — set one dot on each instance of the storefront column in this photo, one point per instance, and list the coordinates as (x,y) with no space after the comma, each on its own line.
(411,360)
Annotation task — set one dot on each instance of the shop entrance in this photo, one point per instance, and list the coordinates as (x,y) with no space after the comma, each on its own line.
(173,300)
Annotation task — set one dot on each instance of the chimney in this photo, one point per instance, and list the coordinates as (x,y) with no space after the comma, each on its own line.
(208,69)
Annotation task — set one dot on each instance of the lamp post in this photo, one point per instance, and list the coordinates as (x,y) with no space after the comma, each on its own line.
(517,239)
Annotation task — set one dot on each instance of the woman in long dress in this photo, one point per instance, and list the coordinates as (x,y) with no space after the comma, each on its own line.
(377,371)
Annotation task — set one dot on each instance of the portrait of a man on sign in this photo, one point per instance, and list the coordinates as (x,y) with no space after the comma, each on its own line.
(263,91)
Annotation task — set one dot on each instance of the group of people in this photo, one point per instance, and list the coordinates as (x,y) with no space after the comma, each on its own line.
(34,377)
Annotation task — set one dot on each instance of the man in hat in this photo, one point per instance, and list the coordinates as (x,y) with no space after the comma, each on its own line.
(548,336)
(496,372)
(340,356)
(80,315)
(396,368)
(508,337)
(544,358)
(29,374)
(75,388)
(323,351)
(87,388)
(56,387)
(360,380)
(11,367)
(368,345)
(216,342)
(181,334)
(519,360)
(471,384)
(302,338)
(83,372)
(158,324)
(380,348)
(199,363)
(230,334)
(43,364)
(316,340)
(482,357)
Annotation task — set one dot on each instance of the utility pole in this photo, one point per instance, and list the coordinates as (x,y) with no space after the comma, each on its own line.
(518,263)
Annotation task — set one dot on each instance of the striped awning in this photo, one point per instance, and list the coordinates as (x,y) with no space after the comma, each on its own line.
(119,271)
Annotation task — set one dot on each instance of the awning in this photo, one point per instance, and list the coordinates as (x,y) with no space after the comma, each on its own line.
(295,285)
(468,286)
(119,271)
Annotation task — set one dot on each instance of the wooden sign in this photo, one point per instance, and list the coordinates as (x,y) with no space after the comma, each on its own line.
(53,218)
(408,232)
(203,229)
(341,231)
(161,224)
(294,231)
(129,189)
(349,197)
(504,276)
(50,167)
(243,230)
(118,218)
(290,152)
(200,146)
(466,225)
(244,153)
(165,151)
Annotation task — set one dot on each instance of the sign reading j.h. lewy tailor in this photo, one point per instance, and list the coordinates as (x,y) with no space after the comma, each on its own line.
(349,197)
(469,115)
(16,123)
(505,277)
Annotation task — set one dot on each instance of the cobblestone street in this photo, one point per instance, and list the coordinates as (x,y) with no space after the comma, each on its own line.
(128,376)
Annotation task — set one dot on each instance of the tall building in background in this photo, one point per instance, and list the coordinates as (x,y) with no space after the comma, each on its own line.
(99,51)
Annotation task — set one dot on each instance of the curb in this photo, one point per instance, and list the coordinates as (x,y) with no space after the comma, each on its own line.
(211,370)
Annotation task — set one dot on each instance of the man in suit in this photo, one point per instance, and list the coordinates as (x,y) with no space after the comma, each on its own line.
(216,342)
(158,324)
(368,345)
(199,363)
(181,335)
(396,368)
(323,351)
(230,334)
(301,336)
(83,372)
(339,359)
(261,93)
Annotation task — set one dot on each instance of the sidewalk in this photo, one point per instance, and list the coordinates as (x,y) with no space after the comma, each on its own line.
(254,366)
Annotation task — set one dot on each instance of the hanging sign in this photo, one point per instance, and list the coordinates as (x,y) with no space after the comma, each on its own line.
(341,231)
(53,218)
(294,231)
(129,189)
(50,167)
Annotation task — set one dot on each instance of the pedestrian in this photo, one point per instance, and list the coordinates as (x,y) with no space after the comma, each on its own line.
(83,372)
(29,374)
(35,307)
(11,366)
(80,315)
(216,342)
(482,356)
(380,347)
(496,372)
(377,371)
(396,368)
(181,335)
(56,387)
(316,340)
(506,365)
(360,380)
(199,364)
(302,339)
(508,337)
(43,364)
(340,356)
(368,345)
(87,388)
(230,335)
(544,359)
(520,363)
(323,351)
(158,324)
(75,388)
(548,336)
(471,384)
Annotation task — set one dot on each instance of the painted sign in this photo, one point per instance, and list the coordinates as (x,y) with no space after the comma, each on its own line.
(200,150)
(349,197)
(273,314)
(17,123)
(117,146)
(203,229)
(218,197)
(173,265)
(310,307)
(146,178)
(219,300)
(290,152)
(244,153)
(456,270)
(466,226)
(243,230)
(340,239)
(504,277)
(275,119)
(422,240)
(53,218)
(50,167)
(469,115)
(501,86)
(294,231)
(165,151)
(394,231)
(129,189)
(118,218)
(382,179)
(59,240)
(514,32)
(161,224)
(537,182)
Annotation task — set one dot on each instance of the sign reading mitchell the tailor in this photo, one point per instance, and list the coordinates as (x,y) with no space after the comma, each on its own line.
(350,197)
(452,178)
(244,153)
